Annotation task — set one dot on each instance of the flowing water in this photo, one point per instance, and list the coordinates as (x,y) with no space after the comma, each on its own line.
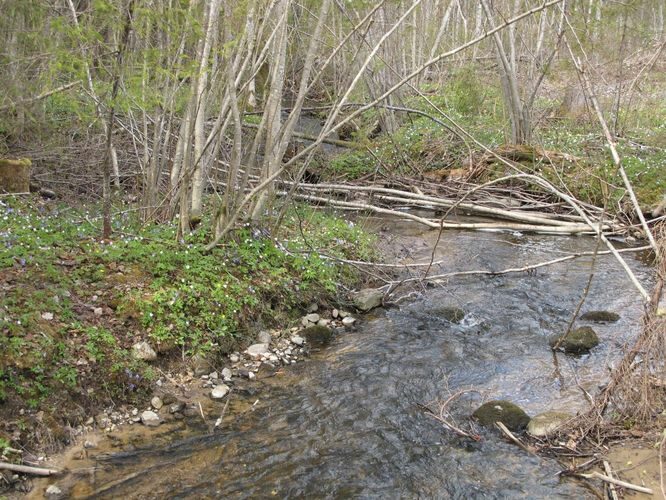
(346,423)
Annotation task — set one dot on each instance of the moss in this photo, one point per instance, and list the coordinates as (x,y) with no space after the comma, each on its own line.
(506,412)
(579,341)
(600,316)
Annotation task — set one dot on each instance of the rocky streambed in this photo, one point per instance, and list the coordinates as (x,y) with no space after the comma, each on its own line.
(348,422)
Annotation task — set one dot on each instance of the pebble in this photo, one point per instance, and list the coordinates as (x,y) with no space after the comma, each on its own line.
(219,391)
(298,340)
(264,337)
(143,351)
(226,374)
(176,407)
(257,350)
(156,403)
(53,491)
(335,313)
(348,321)
(150,418)
(234,358)
(213,376)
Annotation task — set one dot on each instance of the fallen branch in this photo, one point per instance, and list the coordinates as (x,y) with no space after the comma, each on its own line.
(26,469)
(520,269)
(40,96)
(513,438)
(569,228)
(617,482)
(609,472)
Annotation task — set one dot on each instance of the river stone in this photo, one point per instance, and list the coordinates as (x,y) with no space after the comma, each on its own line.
(579,341)
(600,316)
(451,314)
(506,412)
(53,492)
(297,339)
(368,298)
(264,337)
(144,351)
(317,335)
(226,374)
(150,418)
(545,423)
(156,403)
(257,350)
(219,391)
(348,321)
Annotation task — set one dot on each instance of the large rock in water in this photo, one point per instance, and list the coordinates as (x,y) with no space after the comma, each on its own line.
(317,335)
(600,316)
(15,176)
(579,341)
(368,298)
(546,423)
(506,412)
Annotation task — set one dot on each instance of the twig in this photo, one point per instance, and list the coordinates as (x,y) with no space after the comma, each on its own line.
(25,469)
(39,97)
(611,486)
(661,464)
(513,438)
(624,484)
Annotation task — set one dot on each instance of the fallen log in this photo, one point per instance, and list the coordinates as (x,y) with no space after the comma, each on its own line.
(569,228)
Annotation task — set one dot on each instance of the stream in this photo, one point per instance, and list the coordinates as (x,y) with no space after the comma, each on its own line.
(346,423)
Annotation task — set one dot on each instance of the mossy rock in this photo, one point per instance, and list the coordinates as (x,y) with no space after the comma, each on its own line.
(506,412)
(600,316)
(451,314)
(317,335)
(579,341)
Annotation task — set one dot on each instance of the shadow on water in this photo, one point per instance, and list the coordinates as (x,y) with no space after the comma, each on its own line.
(346,423)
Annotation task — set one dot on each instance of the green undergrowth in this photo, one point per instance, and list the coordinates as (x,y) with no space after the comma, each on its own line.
(73,305)
(470,100)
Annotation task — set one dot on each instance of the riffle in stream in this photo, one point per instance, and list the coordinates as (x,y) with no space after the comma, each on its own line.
(347,422)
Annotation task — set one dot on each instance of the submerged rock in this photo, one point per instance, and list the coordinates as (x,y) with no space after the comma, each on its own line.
(452,314)
(368,299)
(600,316)
(547,422)
(317,335)
(219,391)
(579,341)
(506,412)
(53,492)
